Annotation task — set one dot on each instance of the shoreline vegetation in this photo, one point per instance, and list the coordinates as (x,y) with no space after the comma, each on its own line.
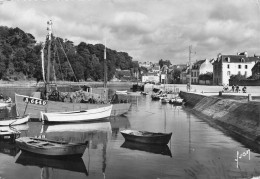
(32,83)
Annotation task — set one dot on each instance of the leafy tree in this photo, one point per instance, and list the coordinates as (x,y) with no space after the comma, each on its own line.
(164,62)
(2,65)
(176,74)
(237,77)
(206,76)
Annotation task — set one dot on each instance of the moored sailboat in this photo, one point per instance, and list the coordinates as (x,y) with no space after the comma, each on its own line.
(34,106)
(15,121)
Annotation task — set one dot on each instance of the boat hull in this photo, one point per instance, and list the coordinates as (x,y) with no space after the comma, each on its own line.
(34,106)
(78,116)
(157,140)
(59,150)
(14,121)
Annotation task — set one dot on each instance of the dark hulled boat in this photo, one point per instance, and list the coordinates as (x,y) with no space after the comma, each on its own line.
(50,147)
(146,137)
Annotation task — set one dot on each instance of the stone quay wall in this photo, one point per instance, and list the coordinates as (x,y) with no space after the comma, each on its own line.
(240,118)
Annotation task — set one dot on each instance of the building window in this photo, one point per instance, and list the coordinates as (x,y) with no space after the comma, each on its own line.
(228,73)
(228,66)
(239,73)
(245,66)
(239,66)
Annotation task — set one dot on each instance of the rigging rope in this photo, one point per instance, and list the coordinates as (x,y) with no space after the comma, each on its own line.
(67,59)
(60,66)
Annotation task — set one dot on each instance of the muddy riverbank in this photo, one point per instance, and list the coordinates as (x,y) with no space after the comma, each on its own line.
(241,118)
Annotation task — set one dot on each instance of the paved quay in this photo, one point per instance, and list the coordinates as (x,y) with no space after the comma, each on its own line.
(206,90)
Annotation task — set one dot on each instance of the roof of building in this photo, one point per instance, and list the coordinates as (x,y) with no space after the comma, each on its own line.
(237,59)
(197,64)
(256,66)
(151,74)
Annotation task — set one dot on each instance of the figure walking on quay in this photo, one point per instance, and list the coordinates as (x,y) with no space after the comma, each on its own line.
(237,89)
(233,88)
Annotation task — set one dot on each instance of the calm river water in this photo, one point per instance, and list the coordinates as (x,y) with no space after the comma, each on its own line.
(196,150)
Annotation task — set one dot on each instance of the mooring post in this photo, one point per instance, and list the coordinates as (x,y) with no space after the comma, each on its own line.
(249,97)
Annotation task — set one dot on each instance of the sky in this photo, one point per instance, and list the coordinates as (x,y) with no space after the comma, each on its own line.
(148,30)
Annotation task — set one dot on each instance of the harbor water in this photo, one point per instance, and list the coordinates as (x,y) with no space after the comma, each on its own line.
(196,150)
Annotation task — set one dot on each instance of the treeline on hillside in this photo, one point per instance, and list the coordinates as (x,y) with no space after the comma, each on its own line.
(20,58)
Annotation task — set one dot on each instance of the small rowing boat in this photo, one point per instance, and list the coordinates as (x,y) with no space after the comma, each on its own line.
(77,116)
(121,92)
(15,121)
(176,101)
(50,147)
(146,137)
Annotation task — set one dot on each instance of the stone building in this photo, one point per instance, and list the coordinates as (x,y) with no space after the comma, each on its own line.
(226,65)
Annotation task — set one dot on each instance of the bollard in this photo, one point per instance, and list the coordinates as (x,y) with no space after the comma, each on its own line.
(249,97)
(220,93)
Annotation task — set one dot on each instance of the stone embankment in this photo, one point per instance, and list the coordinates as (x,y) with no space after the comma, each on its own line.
(237,117)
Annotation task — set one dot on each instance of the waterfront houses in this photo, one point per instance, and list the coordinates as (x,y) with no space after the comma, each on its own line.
(184,75)
(153,75)
(200,67)
(226,65)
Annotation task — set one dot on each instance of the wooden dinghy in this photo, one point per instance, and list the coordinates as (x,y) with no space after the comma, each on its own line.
(146,137)
(176,101)
(15,121)
(50,147)
(121,92)
(78,116)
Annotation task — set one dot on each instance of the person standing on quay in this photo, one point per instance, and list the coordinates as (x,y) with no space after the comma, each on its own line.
(233,88)
(237,89)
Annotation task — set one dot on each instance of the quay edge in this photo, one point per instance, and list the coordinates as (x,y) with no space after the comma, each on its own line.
(237,118)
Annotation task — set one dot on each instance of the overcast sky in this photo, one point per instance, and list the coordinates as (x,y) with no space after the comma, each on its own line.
(148,30)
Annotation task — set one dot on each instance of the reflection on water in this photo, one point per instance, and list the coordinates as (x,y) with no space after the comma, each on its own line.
(8,148)
(155,149)
(95,132)
(197,150)
(50,165)
(118,123)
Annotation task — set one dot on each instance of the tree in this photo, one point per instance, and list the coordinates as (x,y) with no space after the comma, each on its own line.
(164,62)
(206,76)
(176,75)
(237,77)
(2,65)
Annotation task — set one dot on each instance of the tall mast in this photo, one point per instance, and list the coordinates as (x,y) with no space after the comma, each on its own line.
(105,67)
(190,63)
(49,28)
